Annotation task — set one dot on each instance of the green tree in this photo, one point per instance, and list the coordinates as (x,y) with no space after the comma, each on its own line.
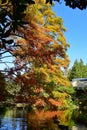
(78,70)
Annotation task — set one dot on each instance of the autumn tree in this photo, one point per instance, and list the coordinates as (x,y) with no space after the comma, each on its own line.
(41,58)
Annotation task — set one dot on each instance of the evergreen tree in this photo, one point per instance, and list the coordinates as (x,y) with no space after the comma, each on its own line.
(78,70)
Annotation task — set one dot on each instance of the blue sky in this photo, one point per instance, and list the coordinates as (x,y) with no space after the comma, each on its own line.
(75,21)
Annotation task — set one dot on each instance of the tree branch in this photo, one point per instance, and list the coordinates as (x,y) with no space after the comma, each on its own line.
(4,4)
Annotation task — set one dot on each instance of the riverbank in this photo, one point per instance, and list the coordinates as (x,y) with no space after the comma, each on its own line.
(16,105)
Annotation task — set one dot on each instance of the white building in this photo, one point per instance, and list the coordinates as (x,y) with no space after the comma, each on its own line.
(79,83)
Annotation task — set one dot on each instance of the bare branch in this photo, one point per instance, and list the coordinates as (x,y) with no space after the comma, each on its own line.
(1,62)
(3,52)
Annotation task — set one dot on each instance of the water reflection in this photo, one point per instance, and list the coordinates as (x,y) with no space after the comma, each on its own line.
(12,119)
(18,119)
(49,120)
(57,120)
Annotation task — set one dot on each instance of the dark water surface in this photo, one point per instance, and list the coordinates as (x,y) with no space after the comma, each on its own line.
(18,119)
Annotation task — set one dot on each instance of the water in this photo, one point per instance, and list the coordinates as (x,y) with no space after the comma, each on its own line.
(18,119)
(13,119)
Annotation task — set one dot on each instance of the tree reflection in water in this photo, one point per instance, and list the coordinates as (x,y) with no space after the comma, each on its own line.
(18,119)
(58,120)
(50,120)
(12,119)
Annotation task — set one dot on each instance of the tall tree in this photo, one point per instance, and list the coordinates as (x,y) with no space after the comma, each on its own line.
(42,56)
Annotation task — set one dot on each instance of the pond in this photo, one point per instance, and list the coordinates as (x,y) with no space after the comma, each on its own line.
(19,119)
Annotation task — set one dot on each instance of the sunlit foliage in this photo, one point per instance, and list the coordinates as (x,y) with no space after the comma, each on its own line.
(41,58)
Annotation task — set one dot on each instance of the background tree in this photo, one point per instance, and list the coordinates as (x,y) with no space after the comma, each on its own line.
(78,70)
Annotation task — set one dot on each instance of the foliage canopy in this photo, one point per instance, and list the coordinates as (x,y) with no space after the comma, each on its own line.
(12,14)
